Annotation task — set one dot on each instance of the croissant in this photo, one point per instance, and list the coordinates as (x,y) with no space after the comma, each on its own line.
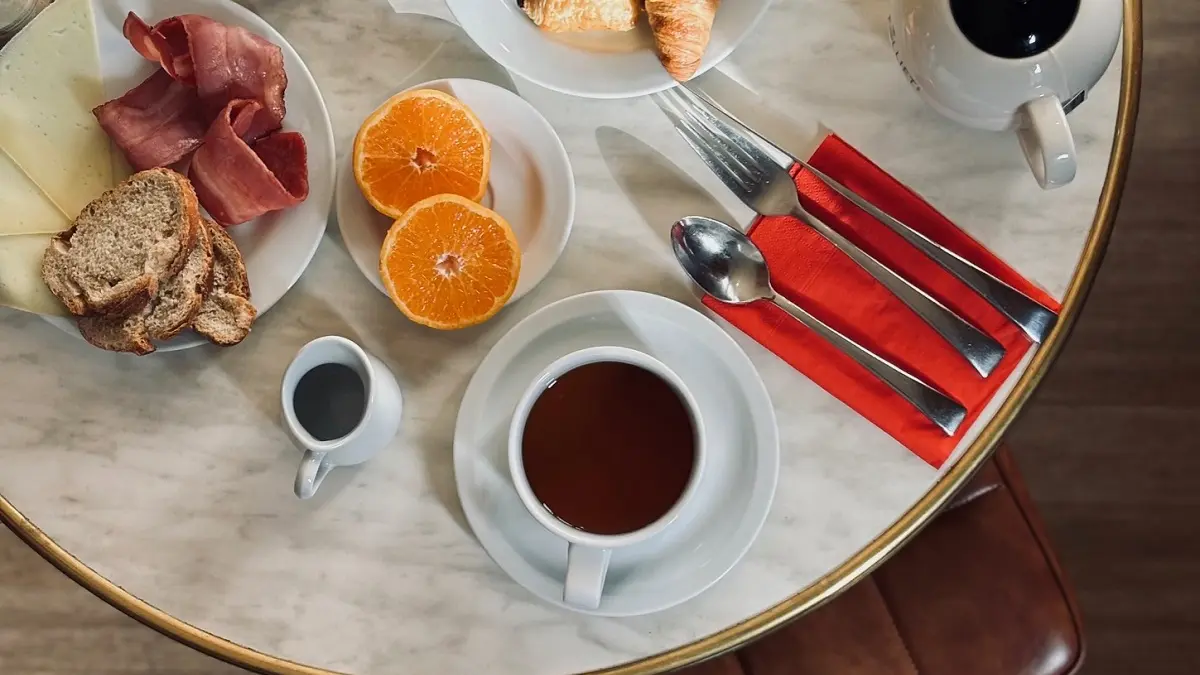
(682,29)
(562,16)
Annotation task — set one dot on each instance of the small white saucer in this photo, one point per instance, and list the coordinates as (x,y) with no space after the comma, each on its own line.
(531,185)
(717,527)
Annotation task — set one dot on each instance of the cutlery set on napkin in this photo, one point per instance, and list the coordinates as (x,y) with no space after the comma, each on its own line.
(871,293)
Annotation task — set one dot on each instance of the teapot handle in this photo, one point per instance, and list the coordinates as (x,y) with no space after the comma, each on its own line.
(1047,142)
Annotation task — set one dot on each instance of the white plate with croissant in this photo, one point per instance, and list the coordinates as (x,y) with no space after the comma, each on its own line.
(608,48)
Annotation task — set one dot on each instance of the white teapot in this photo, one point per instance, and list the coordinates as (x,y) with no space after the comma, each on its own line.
(1018,65)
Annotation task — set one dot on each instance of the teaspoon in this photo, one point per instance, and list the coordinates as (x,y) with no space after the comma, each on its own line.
(729,267)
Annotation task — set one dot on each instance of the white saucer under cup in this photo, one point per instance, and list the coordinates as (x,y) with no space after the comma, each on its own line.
(530,184)
(711,533)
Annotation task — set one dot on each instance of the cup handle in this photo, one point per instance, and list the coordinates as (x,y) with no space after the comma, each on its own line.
(312,471)
(586,569)
(438,9)
(1047,142)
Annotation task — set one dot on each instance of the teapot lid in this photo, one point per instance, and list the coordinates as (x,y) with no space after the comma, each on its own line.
(1014,29)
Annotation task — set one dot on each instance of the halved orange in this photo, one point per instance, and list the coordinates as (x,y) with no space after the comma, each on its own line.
(419,144)
(449,262)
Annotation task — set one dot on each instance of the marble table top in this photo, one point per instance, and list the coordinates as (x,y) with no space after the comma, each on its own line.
(170,475)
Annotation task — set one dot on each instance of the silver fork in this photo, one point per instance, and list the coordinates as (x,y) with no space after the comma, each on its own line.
(766,187)
(1033,318)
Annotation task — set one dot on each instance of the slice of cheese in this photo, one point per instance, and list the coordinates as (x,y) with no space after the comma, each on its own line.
(49,83)
(21,285)
(24,208)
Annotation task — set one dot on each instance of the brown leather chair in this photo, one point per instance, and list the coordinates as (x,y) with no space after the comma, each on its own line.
(978,592)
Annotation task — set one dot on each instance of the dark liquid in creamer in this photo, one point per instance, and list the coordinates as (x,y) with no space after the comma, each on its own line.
(609,448)
(330,401)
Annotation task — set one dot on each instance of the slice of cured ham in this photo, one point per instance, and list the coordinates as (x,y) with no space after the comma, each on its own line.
(237,182)
(157,123)
(222,62)
(153,46)
(217,99)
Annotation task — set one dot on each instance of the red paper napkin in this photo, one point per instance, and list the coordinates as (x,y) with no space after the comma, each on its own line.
(812,273)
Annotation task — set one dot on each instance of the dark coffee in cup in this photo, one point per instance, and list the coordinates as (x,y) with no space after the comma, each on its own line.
(609,447)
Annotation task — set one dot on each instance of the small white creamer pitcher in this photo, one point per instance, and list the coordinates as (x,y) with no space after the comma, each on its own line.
(341,406)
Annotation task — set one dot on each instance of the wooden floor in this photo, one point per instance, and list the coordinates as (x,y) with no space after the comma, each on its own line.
(1109,446)
(1111,443)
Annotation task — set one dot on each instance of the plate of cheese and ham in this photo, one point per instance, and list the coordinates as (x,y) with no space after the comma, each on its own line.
(204,87)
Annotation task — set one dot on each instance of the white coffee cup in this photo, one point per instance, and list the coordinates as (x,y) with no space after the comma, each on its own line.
(588,554)
(382,405)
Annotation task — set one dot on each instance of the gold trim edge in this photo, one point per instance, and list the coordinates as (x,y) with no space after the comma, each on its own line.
(818,593)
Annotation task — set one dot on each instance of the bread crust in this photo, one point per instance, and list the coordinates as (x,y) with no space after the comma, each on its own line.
(227,313)
(191,214)
(238,280)
(163,258)
(118,333)
(198,268)
(54,261)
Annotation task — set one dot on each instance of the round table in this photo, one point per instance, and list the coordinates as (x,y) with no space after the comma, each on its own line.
(163,484)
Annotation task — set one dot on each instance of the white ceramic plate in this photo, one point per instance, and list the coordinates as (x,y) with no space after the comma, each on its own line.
(278,246)
(714,531)
(605,65)
(531,185)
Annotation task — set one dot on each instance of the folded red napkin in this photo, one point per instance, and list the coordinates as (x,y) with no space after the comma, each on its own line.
(812,273)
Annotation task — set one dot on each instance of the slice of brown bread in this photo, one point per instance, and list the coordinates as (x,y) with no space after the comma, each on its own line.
(166,315)
(119,333)
(179,300)
(226,315)
(124,244)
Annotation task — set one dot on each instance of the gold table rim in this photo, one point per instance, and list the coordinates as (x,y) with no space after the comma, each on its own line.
(823,590)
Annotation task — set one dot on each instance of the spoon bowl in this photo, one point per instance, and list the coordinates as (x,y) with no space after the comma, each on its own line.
(721,260)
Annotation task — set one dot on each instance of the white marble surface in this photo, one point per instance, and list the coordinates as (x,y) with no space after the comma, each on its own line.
(170,475)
